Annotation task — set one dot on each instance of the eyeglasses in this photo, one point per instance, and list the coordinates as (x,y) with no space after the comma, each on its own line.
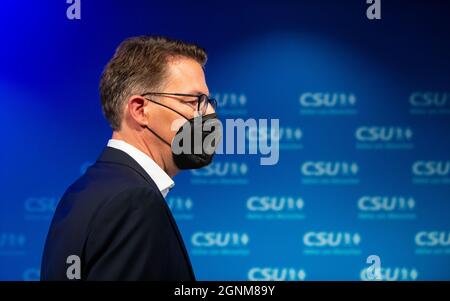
(202,100)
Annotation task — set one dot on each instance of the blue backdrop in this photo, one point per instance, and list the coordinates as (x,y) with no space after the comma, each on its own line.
(364,110)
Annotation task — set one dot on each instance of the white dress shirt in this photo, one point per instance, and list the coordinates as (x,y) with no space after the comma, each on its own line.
(158,175)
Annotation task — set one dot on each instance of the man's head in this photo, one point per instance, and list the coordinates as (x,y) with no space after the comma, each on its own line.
(140,67)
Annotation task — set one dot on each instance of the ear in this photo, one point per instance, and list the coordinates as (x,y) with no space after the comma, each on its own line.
(137,109)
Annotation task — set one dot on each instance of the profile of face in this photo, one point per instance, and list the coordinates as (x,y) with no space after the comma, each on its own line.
(184,76)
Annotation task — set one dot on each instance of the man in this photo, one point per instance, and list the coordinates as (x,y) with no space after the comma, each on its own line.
(113,222)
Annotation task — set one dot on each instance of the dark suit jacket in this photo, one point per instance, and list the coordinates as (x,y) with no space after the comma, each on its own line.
(118,223)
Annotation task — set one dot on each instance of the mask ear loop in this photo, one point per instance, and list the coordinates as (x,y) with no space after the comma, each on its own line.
(167,107)
(152,131)
(160,138)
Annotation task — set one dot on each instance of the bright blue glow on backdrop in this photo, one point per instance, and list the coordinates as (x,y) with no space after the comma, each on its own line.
(389,197)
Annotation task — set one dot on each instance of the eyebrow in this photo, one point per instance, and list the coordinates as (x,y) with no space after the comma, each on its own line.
(197,92)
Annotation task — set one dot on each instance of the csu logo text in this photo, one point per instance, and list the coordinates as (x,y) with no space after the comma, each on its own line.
(276,274)
(429,103)
(219,239)
(331,243)
(40,205)
(222,169)
(383,133)
(272,203)
(180,203)
(40,208)
(181,207)
(275,207)
(393,274)
(230,99)
(329,168)
(330,172)
(231,103)
(432,243)
(327,99)
(220,243)
(327,103)
(383,137)
(386,203)
(12,244)
(280,134)
(431,168)
(428,99)
(431,172)
(331,239)
(386,207)
(224,173)
(286,136)
(433,239)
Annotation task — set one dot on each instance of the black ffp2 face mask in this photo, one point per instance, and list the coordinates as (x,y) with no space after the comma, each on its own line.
(195,142)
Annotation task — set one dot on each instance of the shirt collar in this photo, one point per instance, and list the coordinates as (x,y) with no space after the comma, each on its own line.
(158,175)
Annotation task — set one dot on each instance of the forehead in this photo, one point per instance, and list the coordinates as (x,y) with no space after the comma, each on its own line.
(185,75)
